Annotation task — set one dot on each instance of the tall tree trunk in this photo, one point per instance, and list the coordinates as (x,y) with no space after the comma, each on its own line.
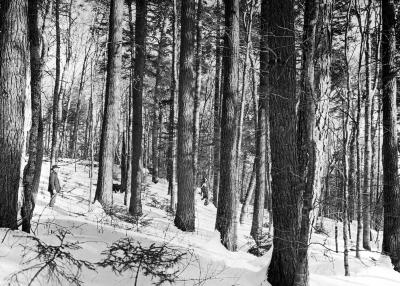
(226,222)
(306,140)
(13,66)
(32,171)
(217,109)
(367,138)
(391,191)
(56,94)
(279,30)
(185,213)
(262,119)
(171,135)
(135,207)
(197,93)
(111,106)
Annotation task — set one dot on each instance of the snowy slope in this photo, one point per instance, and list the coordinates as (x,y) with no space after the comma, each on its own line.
(206,263)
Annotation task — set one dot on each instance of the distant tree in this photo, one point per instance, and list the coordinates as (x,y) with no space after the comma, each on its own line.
(226,222)
(108,132)
(185,212)
(171,128)
(135,206)
(13,66)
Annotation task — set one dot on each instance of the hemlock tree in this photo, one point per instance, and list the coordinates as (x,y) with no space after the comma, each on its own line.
(226,222)
(391,191)
(279,17)
(135,207)
(108,136)
(32,171)
(13,66)
(185,212)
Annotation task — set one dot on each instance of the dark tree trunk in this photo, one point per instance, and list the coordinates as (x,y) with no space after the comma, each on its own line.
(391,191)
(111,106)
(217,110)
(13,65)
(279,30)
(33,168)
(226,222)
(135,207)
(306,139)
(185,213)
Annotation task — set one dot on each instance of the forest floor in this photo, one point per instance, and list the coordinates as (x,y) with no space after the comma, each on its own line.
(87,232)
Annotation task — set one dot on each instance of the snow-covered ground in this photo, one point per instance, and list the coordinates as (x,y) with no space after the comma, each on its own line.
(206,261)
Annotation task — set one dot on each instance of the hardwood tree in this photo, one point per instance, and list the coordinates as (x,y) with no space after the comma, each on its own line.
(226,222)
(32,170)
(391,191)
(108,133)
(13,66)
(185,212)
(135,207)
(279,17)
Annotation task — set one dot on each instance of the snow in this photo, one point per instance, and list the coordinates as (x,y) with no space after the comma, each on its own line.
(207,262)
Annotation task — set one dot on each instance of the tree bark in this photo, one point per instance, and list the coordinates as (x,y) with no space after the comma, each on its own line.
(13,66)
(217,109)
(197,93)
(306,139)
(171,135)
(135,207)
(185,213)
(391,191)
(32,171)
(227,221)
(279,30)
(111,106)
(367,138)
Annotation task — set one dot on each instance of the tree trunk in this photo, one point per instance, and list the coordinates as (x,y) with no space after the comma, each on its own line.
(185,213)
(111,106)
(226,222)
(217,109)
(249,194)
(197,93)
(171,135)
(279,30)
(32,171)
(56,94)
(135,207)
(391,191)
(367,138)
(306,140)
(13,65)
